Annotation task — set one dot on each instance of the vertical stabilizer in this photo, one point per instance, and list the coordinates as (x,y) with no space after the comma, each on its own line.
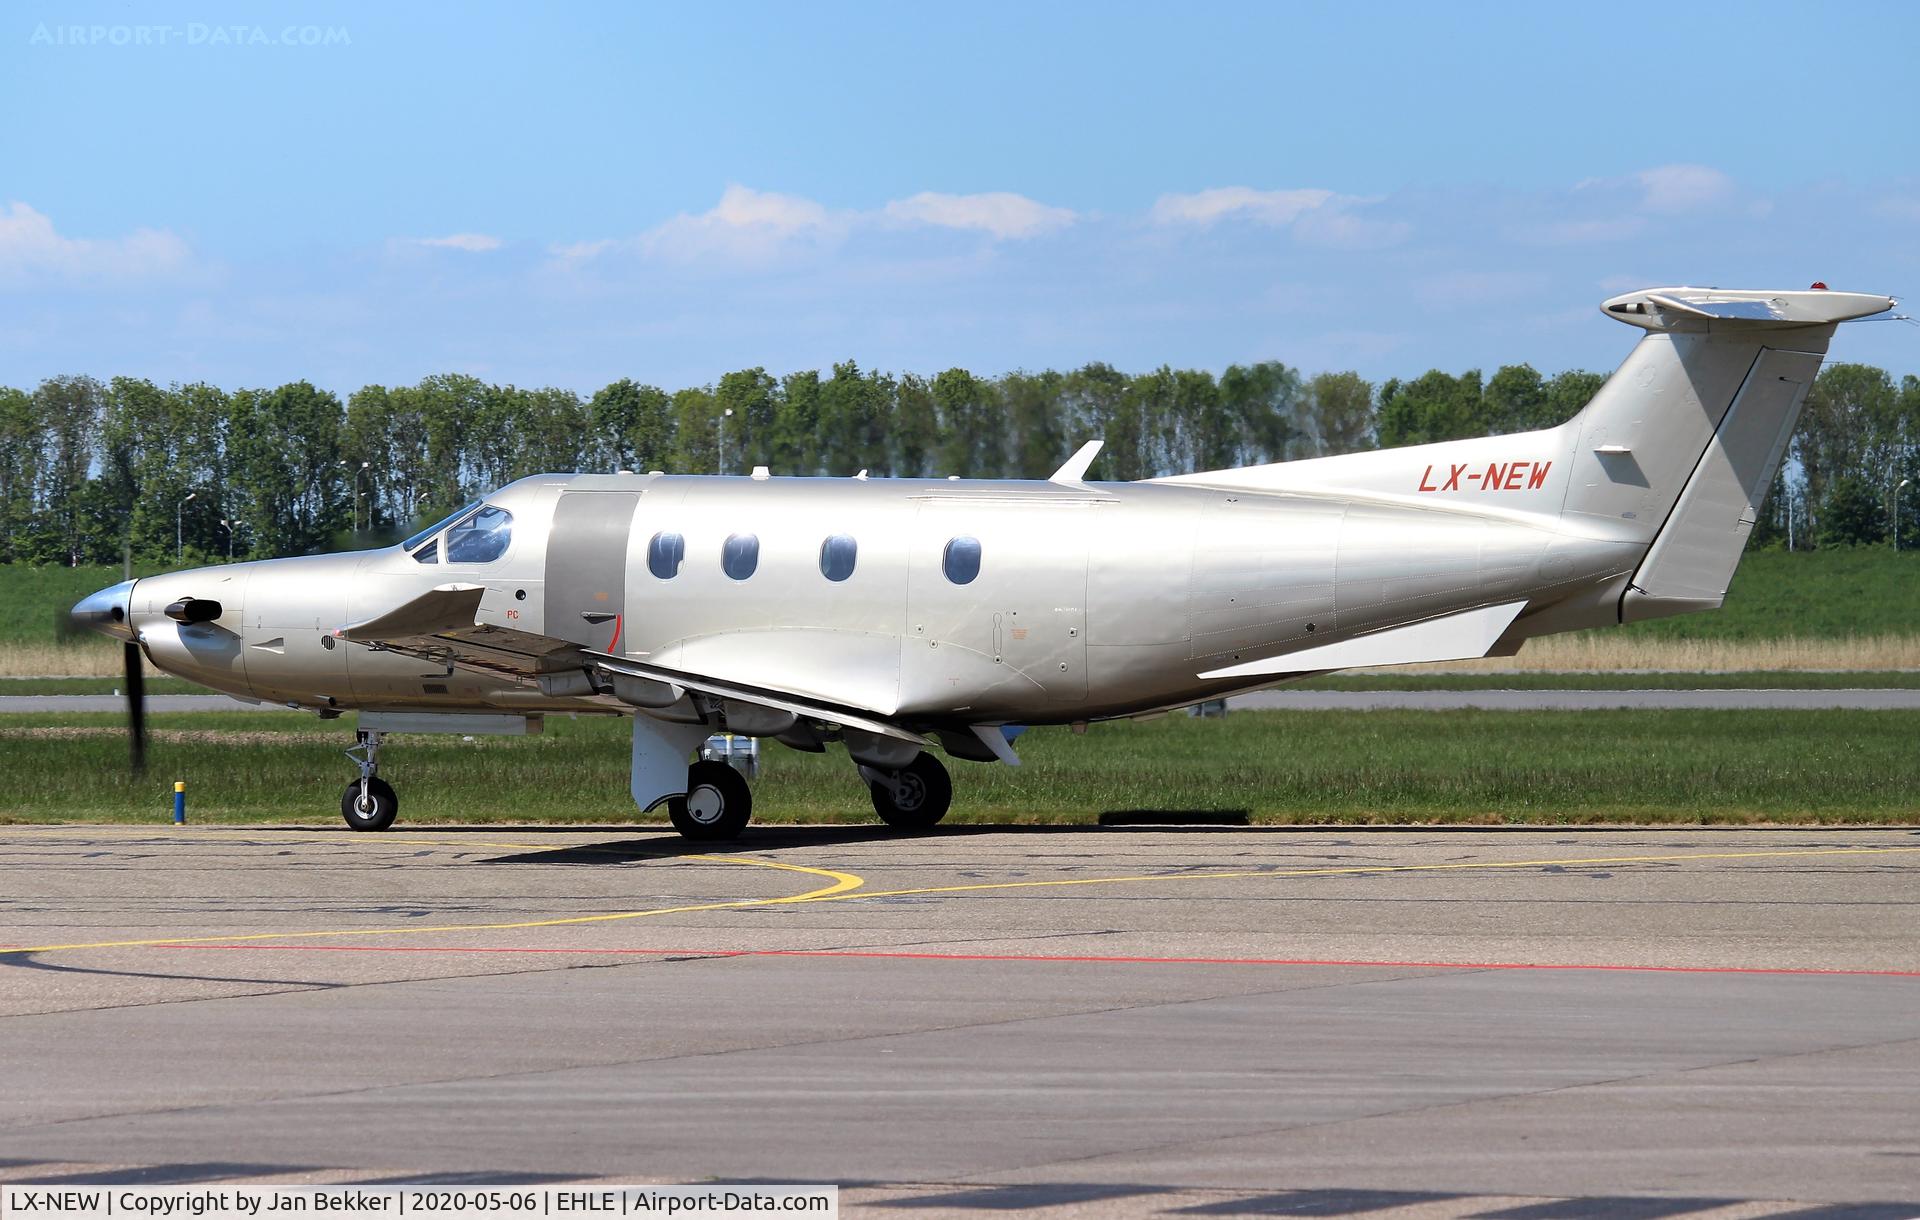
(1681,445)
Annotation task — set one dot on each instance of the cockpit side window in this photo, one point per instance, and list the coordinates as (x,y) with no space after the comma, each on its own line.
(429,553)
(480,537)
(437,526)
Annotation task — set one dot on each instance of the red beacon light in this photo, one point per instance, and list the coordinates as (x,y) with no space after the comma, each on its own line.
(1817,286)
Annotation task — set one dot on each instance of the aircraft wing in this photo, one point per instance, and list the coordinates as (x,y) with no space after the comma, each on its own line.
(658,688)
(440,625)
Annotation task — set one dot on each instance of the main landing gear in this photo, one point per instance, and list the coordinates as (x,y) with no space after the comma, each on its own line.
(914,797)
(369,802)
(717,803)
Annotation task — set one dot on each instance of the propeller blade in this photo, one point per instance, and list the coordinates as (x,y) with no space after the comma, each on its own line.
(65,630)
(136,708)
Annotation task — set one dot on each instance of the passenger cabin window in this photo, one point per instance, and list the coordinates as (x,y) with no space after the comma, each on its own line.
(740,555)
(837,556)
(481,537)
(429,553)
(664,554)
(962,560)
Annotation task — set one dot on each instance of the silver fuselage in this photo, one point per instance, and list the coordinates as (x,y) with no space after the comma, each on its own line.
(1091,601)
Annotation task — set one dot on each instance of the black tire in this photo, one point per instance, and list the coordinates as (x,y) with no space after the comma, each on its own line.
(716,806)
(376,812)
(917,796)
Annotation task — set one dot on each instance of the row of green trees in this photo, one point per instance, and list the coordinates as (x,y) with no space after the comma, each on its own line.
(91,471)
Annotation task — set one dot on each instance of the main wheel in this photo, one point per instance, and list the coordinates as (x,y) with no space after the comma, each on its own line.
(717,804)
(916,796)
(372,810)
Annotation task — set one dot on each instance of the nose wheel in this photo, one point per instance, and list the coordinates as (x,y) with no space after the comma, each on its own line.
(915,797)
(717,803)
(369,802)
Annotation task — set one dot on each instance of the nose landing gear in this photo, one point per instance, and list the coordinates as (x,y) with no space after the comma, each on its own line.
(369,802)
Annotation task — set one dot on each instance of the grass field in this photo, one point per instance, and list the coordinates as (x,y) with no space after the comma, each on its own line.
(1356,680)
(1277,767)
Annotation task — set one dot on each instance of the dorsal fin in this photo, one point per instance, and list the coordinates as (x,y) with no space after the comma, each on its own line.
(1074,471)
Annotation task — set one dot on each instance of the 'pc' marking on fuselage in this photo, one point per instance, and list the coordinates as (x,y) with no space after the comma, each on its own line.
(1498,476)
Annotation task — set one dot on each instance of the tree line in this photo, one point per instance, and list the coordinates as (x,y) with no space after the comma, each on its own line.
(92,471)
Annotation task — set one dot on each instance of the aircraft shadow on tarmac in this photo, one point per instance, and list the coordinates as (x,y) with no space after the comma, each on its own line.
(770,838)
(638,844)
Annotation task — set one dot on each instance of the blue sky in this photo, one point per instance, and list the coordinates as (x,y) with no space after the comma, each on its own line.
(250,194)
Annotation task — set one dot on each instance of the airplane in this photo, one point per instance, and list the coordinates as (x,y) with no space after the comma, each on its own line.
(894,617)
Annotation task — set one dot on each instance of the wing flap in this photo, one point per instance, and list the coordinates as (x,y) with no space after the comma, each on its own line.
(863,719)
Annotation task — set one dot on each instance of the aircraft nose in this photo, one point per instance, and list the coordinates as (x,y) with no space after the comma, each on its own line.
(107,611)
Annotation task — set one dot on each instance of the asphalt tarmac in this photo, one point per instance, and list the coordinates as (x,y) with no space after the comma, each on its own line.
(1526,1024)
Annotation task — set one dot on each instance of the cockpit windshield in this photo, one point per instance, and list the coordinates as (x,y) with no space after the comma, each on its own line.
(481,537)
(439,525)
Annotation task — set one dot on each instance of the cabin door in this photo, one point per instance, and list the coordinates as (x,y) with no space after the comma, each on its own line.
(587,567)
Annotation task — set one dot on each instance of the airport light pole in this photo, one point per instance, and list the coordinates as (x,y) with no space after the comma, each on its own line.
(720,437)
(356,499)
(1896,513)
(228,526)
(179,528)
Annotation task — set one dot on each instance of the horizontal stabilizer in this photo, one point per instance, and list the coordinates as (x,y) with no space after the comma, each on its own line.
(1456,637)
(1695,309)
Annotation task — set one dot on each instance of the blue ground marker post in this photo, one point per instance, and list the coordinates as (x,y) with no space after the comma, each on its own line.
(179,802)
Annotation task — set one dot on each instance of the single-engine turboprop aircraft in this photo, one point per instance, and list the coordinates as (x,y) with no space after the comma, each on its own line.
(893,616)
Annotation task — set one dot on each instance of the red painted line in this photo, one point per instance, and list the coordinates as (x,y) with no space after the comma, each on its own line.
(1061,958)
(615,641)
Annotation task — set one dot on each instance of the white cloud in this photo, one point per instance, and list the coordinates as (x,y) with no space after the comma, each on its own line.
(1682,188)
(30,244)
(1278,208)
(1000,213)
(472,243)
(745,224)
(581,251)
(1316,217)
(749,226)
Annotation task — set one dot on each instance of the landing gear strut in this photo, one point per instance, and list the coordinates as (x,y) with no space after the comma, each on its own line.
(369,802)
(717,803)
(915,797)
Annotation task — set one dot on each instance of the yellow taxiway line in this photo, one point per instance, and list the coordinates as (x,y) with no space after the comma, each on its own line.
(1359,869)
(847,886)
(841,882)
